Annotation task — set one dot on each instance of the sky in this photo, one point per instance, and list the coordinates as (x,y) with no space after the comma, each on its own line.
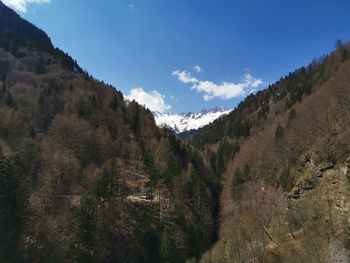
(186,55)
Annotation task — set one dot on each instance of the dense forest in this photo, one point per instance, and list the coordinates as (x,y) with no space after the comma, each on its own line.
(283,156)
(86,176)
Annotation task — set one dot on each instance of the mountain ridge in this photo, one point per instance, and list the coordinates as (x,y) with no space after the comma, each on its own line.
(189,121)
(10,21)
(85,175)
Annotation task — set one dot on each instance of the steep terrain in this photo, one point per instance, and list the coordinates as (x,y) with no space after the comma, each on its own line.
(286,190)
(187,122)
(86,176)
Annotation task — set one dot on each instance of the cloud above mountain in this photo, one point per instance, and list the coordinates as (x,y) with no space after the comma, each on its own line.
(197,68)
(152,100)
(224,90)
(21,5)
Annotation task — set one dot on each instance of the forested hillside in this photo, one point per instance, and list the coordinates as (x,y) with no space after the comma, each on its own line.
(283,156)
(86,176)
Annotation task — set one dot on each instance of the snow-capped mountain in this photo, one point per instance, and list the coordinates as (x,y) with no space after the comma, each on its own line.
(182,122)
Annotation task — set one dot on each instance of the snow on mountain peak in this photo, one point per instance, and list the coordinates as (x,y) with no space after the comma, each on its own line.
(182,122)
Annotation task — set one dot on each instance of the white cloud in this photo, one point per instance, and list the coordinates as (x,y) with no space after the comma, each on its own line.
(184,76)
(152,100)
(197,68)
(21,5)
(224,90)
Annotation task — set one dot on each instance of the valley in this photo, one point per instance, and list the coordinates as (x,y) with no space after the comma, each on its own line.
(89,176)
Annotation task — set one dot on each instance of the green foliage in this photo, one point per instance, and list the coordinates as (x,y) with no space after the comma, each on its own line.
(114,104)
(173,169)
(4,87)
(344,55)
(291,88)
(225,153)
(212,161)
(286,179)
(263,111)
(68,133)
(81,256)
(87,222)
(109,185)
(9,100)
(134,118)
(238,181)
(339,44)
(168,250)
(24,34)
(246,172)
(220,164)
(32,132)
(178,148)
(13,201)
(279,133)
(40,67)
(152,172)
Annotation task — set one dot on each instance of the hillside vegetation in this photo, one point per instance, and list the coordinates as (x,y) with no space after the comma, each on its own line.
(286,191)
(86,176)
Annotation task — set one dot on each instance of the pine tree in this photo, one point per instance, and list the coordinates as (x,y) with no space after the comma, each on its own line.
(168,251)
(237,184)
(13,199)
(344,54)
(279,133)
(114,104)
(87,222)
(109,185)
(9,100)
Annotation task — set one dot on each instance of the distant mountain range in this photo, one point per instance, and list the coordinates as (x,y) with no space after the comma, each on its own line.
(183,122)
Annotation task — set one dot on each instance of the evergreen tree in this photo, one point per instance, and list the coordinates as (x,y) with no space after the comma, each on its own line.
(286,180)
(114,104)
(87,222)
(9,100)
(237,184)
(279,133)
(220,163)
(168,251)
(109,185)
(173,169)
(344,54)
(13,200)
(339,44)
(246,172)
(4,88)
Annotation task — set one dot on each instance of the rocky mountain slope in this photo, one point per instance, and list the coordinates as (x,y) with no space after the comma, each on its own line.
(184,122)
(286,187)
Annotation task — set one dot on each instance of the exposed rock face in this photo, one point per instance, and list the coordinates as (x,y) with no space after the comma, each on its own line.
(312,176)
(301,187)
(324,166)
(337,254)
(331,189)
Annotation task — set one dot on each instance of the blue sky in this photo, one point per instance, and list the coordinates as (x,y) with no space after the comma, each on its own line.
(149,49)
